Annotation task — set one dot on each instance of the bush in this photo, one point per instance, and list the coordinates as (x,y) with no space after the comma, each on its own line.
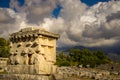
(4,48)
(84,56)
(64,63)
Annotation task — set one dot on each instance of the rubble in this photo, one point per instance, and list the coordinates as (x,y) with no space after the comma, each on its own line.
(71,73)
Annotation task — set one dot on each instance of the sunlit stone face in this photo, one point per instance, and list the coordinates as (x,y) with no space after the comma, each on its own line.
(32,46)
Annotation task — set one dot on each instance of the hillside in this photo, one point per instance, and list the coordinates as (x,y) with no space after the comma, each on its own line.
(111,52)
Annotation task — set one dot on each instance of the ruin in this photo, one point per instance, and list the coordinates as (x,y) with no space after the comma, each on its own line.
(33,51)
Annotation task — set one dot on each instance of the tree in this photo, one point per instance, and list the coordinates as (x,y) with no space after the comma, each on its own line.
(87,57)
(62,59)
(4,48)
(82,56)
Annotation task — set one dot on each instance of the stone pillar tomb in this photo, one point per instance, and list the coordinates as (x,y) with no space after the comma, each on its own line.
(33,51)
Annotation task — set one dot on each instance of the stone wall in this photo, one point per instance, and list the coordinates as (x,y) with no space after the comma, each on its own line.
(75,73)
(3,64)
(31,69)
(25,77)
(3,61)
(110,67)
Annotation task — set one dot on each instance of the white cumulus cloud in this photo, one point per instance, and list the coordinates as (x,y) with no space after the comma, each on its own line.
(77,23)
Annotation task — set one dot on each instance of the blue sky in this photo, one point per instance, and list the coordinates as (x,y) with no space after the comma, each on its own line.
(92,2)
(5,3)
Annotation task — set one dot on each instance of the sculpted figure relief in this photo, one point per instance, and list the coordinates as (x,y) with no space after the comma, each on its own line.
(11,59)
(25,56)
(31,54)
(35,57)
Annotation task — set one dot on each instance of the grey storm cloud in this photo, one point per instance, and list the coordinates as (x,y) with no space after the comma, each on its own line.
(36,10)
(113,16)
(5,22)
(77,23)
(4,16)
(88,26)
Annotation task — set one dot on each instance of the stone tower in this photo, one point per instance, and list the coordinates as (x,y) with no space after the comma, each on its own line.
(33,49)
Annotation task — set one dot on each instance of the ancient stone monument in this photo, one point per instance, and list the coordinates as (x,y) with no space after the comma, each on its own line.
(33,51)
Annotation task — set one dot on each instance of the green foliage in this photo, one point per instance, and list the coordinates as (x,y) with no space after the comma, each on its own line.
(84,57)
(62,59)
(4,48)
(63,63)
(87,57)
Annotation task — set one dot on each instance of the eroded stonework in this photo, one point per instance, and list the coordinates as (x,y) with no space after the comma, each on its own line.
(35,48)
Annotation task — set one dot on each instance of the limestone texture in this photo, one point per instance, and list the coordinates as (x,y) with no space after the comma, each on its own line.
(33,49)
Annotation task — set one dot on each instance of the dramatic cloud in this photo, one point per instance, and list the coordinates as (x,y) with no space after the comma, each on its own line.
(30,14)
(36,10)
(10,22)
(92,26)
(77,24)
